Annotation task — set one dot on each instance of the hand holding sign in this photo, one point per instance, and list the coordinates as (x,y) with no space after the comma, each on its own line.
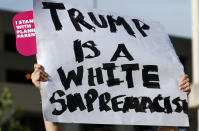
(38,75)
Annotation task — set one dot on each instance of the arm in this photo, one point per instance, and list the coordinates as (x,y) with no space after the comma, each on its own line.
(37,76)
(167,128)
(184,85)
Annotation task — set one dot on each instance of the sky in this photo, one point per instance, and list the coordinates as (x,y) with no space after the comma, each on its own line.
(175,15)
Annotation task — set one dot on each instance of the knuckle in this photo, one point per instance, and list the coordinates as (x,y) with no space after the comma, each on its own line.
(35,65)
(37,69)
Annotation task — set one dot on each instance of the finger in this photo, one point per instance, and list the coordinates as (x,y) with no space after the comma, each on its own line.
(185,86)
(36,76)
(43,78)
(39,72)
(38,66)
(187,89)
(44,73)
(38,69)
(181,85)
(184,82)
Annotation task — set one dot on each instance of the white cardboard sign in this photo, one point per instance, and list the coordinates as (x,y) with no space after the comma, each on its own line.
(106,68)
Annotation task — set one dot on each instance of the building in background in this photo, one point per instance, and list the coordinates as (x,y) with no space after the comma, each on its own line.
(15,71)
